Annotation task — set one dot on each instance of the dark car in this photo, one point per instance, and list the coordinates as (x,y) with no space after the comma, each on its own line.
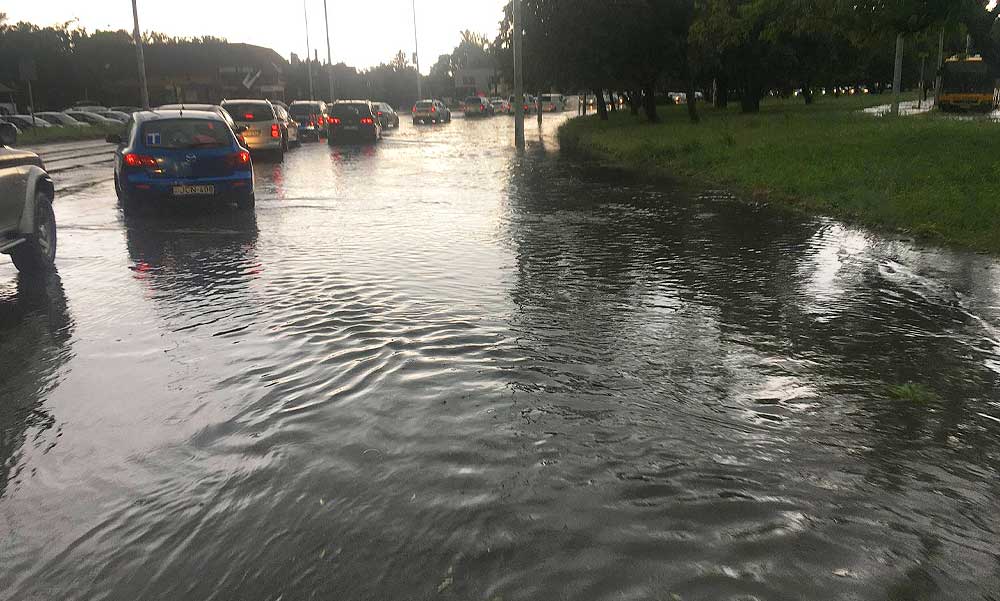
(311,117)
(353,121)
(386,115)
(25,122)
(175,155)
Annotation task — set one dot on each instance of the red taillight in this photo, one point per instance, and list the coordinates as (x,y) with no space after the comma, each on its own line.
(239,159)
(248,116)
(414,109)
(275,131)
(334,120)
(312,124)
(320,121)
(139,160)
(433,110)
(380,113)
(367,121)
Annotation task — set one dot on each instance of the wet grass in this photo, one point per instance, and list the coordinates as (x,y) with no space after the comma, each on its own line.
(917,394)
(65,134)
(932,176)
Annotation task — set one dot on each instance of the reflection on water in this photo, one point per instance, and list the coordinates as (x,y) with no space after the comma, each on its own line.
(445,370)
(35,334)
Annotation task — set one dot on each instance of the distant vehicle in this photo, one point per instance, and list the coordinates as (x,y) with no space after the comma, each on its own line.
(477,106)
(211,108)
(87,105)
(530,105)
(501,106)
(387,115)
(553,103)
(353,120)
(128,110)
(311,117)
(967,85)
(431,111)
(116,115)
(61,119)
(27,223)
(289,128)
(279,103)
(24,122)
(92,118)
(261,129)
(173,155)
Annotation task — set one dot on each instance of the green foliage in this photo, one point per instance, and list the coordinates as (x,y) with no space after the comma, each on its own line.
(65,134)
(932,176)
(917,394)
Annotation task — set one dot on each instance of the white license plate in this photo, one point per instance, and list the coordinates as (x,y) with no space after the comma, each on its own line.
(251,133)
(194,190)
(350,128)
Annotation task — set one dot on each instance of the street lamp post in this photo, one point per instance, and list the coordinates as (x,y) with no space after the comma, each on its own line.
(329,53)
(143,89)
(416,53)
(309,67)
(518,78)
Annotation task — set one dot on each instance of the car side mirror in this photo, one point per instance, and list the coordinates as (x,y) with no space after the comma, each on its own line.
(8,134)
(113,139)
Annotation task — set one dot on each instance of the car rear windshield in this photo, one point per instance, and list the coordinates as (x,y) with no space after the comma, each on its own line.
(304,109)
(349,110)
(250,112)
(548,98)
(185,133)
(473,100)
(424,105)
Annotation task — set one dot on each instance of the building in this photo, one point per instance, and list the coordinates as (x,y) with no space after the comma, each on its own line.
(211,72)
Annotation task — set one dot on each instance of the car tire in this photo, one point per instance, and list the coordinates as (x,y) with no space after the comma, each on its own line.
(37,254)
(246,203)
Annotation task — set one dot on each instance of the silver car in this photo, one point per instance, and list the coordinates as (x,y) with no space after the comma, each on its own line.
(27,223)
(261,128)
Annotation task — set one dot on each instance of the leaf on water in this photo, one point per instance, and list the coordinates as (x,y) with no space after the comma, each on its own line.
(445,584)
(917,394)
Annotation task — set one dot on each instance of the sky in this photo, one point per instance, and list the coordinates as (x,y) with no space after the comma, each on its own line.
(363,34)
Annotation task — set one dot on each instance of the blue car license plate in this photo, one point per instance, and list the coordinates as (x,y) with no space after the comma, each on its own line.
(194,190)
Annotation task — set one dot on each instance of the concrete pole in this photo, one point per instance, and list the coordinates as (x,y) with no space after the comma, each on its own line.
(309,66)
(923,67)
(416,53)
(897,77)
(143,89)
(329,52)
(518,77)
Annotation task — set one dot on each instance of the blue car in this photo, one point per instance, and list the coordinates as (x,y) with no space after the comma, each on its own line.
(174,155)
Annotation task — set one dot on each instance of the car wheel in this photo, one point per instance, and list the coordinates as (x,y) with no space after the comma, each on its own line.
(37,254)
(246,203)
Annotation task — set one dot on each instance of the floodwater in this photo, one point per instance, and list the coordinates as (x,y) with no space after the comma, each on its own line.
(437,369)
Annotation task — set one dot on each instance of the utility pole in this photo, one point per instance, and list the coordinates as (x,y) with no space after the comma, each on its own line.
(518,78)
(416,53)
(329,52)
(897,77)
(309,67)
(143,89)
(923,90)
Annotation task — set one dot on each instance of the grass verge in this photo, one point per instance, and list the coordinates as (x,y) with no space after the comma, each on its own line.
(40,135)
(930,175)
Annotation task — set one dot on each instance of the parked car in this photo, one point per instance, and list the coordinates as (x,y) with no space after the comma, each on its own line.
(289,128)
(501,106)
(27,222)
(61,119)
(88,106)
(116,116)
(311,117)
(25,122)
(529,104)
(92,118)
(431,111)
(211,108)
(477,106)
(128,110)
(553,103)
(262,131)
(173,155)
(353,120)
(386,115)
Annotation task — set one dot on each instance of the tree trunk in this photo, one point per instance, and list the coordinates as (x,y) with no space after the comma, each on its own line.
(649,103)
(634,101)
(602,109)
(721,93)
(611,98)
(807,93)
(750,101)
(692,95)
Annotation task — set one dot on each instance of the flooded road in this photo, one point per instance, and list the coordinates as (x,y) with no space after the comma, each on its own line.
(436,369)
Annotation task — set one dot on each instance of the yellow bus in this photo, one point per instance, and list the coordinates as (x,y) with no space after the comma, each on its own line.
(967,85)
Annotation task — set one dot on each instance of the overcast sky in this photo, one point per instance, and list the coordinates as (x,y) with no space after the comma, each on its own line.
(363,33)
